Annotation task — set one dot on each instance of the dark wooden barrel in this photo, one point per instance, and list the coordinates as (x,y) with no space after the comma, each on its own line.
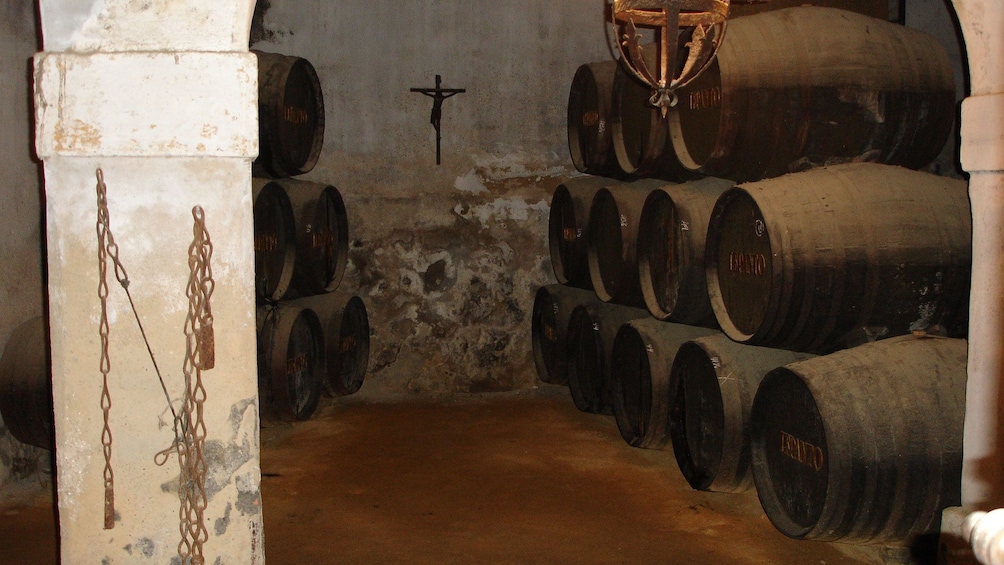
(671,235)
(874,8)
(322,236)
(589,140)
(290,360)
(26,385)
(612,241)
(274,240)
(346,328)
(640,383)
(811,86)
(714,381)
(818,260)
(290,116)
(591,332)
(566,228)
(864,445)
(552,309)
(640,135)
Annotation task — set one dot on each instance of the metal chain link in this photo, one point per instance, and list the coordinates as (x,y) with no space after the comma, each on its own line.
(189,425)
(199,356)
(106,243)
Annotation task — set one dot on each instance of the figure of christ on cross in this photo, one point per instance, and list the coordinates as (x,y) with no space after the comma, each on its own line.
(438,94)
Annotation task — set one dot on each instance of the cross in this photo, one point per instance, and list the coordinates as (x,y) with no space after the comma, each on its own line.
(438,94)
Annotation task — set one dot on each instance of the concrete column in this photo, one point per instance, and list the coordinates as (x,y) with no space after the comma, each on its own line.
(982,155)
(162,97)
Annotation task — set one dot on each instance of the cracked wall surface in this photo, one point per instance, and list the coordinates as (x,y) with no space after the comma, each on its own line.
(447,258)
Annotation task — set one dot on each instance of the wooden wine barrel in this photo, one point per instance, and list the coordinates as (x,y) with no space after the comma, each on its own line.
(714,381)
(322,236)
(552,309)
(811,86)
(346,334)
(290,116)
(566,228)
(613,239)
(640,134)
(671,235)
(589,141)
(274,240)
(290,360)
(864,445)
(874,8)
(818,260)
(640,383)
(26,385)
(591,332)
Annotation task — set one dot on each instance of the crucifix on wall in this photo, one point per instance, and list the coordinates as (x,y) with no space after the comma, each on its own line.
(438,94)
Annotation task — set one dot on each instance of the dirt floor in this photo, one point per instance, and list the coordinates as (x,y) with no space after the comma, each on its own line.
(514,478)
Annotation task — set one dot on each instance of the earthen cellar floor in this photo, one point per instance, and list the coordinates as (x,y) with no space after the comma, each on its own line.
(513,478)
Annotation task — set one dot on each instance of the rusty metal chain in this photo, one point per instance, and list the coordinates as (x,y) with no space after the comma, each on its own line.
(189,424)
(106,243)
(199,356)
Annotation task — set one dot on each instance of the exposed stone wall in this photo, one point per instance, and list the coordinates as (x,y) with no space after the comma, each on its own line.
(446,258)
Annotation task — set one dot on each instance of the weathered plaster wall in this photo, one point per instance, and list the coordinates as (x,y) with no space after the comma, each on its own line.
(447,258)
(21,295)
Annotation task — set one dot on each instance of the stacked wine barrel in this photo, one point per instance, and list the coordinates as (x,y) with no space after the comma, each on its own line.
(798,328)
(312,337)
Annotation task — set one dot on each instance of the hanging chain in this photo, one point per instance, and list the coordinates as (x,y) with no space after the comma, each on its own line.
(199,356)
(106,243)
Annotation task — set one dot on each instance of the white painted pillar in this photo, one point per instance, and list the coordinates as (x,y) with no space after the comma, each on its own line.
(162,96)
(982,155)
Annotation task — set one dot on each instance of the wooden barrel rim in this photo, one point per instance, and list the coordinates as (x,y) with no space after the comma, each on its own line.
(793,507)
(659,280)
(605,246)
(563,234)
(544,335)
(275,253)
(296,78)
(587,118)
(295,398)
(737,210)
(696,378)
(585,370)
(351,348)
(334,268)
(631,388)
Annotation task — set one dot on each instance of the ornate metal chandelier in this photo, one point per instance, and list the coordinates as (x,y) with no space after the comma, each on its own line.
(691,28)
